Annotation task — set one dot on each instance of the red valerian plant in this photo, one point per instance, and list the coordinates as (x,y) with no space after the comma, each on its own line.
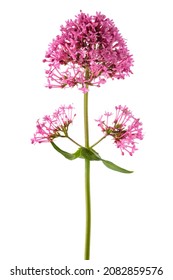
(89,50)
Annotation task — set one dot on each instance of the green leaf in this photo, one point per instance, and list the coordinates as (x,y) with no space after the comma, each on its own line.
(88,154)
(111,165)
(91,155)
(115,167)
(66,154)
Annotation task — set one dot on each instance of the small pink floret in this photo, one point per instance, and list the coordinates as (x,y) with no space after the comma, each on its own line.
(123,127)
(54,126)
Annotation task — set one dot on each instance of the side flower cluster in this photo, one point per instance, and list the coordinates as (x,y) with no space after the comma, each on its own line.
(89,50)
(54,126)
(123,127)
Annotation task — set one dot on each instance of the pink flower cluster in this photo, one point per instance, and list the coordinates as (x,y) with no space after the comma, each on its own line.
(124,128)
(89,50)
(54,126)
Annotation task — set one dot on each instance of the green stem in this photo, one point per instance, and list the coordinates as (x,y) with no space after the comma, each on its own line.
(87,182)
(73,141)
(98,141)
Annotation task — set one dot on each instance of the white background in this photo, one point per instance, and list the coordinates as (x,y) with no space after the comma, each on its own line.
(42,194)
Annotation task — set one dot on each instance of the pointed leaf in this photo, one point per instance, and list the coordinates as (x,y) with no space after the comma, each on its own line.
(66,154)
(115,167)
(91,155)
(111,165)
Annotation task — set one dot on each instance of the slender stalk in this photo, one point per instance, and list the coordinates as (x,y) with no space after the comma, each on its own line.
(87,182)
(73,141)
(98,141)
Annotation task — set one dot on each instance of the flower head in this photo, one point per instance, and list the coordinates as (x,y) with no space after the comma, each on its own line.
(89,50)
(54,126)
(124,128)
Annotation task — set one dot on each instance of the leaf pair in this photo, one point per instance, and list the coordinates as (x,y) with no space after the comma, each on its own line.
(91,155)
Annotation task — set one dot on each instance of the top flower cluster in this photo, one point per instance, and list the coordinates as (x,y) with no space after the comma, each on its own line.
(89,50)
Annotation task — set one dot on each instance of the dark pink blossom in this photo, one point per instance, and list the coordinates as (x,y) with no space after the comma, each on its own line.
(88,51)
(54,126)
(123,127)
